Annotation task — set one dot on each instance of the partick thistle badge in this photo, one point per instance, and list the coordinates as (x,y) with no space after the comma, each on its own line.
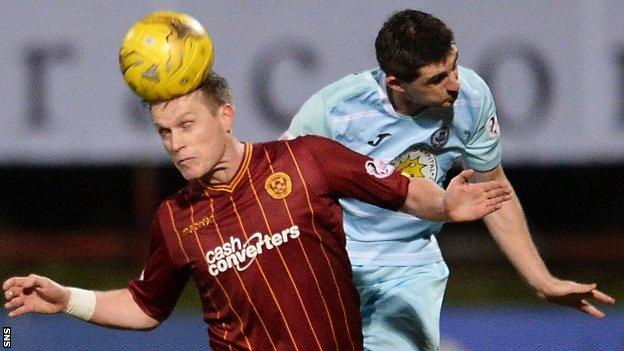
(278,185)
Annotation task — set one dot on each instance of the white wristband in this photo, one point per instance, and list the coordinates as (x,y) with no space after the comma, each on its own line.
(81,303)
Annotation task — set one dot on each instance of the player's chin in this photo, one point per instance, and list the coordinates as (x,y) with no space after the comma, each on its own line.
(187,172)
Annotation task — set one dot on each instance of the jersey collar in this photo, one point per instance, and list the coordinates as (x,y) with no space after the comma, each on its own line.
(240,172)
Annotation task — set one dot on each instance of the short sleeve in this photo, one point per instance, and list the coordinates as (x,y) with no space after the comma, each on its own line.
(350,174)
(310,120)
(483,150)
(161,283)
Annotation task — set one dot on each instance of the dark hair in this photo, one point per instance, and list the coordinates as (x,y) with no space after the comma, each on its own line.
(216,90)
(409,40)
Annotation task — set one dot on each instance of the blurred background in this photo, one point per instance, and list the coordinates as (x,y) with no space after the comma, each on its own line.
(82,170)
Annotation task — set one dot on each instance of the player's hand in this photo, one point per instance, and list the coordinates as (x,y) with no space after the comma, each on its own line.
(469,201)
(576,295)
(34,294)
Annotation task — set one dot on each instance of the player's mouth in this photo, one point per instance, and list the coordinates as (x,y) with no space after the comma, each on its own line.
(184,161)
(449,102)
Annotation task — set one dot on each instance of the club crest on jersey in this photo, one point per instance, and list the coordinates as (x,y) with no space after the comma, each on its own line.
(378,168)
(417,163)
(493,129)
(278,185)
(440,137)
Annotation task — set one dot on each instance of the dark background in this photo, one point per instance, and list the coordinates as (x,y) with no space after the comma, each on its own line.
(72,222)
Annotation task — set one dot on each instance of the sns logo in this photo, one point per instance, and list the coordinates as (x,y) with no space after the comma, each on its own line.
(6,337)
(236,254)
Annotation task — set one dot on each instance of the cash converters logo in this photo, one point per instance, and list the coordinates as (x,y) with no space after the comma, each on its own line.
(235,253)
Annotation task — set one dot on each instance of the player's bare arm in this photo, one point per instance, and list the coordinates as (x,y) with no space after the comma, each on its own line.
(37,294)
(509,229)
(462,201)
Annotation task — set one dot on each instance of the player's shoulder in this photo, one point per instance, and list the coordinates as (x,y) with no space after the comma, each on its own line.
(302,146)
(306,148)
(349,88)
(300,143)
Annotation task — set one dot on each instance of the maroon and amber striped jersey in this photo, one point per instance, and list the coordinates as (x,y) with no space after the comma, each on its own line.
(267,250)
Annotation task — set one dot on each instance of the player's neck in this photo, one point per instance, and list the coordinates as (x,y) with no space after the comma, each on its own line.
(402,105)
(229,164)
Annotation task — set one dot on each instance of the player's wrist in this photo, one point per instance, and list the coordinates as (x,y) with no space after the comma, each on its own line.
(81,303)
(446,208)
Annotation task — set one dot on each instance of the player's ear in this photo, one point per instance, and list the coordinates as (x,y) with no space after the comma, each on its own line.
(395,84)
(226,115)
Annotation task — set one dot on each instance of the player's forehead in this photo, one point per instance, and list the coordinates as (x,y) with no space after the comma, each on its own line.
(173,111)
(428,71)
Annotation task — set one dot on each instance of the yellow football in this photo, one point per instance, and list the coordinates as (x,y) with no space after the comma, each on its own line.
(165,55)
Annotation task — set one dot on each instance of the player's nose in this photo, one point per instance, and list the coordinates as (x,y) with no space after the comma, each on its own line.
(176,142)
(453,85)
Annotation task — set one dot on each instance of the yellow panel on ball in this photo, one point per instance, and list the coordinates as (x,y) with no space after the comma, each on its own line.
(165,55)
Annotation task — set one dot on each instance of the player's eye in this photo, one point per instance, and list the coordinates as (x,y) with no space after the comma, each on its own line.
(163,132)
(437,79)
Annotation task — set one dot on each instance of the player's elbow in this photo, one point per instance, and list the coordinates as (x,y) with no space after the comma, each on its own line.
(148,328)
(148,324)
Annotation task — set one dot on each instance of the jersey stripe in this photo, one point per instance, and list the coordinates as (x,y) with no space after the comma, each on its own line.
(211,299)
(240,221)
(251,186)
(313,222)
(240,321)
(305,254)
(176,231)
(266,221)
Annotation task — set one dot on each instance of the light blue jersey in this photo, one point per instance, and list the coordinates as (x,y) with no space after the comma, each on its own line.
(356,111)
